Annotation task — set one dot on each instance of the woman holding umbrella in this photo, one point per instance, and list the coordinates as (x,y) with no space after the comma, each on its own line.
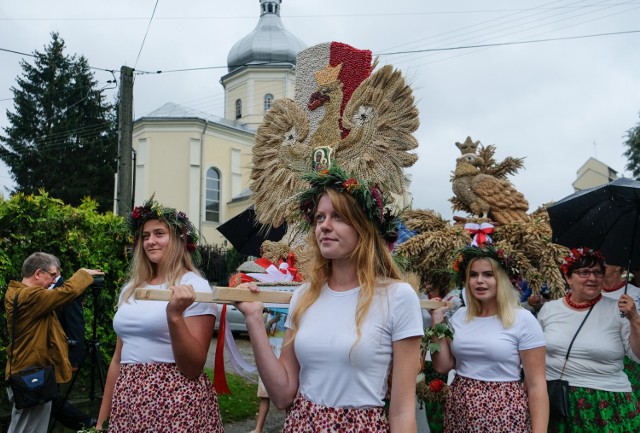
(600,393)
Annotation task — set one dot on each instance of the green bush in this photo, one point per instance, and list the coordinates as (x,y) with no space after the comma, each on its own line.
(79,237)
(84,238)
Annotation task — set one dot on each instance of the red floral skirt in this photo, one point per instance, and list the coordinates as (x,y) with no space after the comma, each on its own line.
(475,406)
(307,417)
(158,398)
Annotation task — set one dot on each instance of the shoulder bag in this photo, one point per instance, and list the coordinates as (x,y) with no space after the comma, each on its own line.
(558,389)
(32,386)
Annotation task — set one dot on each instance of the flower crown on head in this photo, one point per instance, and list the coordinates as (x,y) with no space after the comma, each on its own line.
(369,197)
(507,261)
(184,229)
(576,254)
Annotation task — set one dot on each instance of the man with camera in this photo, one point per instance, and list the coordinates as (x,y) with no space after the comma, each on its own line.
(37,340)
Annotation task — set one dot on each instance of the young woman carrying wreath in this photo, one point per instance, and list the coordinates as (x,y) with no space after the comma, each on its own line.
(352,324)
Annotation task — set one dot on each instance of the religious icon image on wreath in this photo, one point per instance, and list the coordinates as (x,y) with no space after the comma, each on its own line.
(322,158)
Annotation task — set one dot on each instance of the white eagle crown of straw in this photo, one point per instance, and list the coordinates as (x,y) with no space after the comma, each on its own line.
(297,136)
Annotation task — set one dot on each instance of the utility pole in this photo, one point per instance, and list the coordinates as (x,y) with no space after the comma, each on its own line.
(125,147)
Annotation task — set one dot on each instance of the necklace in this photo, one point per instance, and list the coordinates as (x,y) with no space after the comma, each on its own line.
(583,306)
(614,288)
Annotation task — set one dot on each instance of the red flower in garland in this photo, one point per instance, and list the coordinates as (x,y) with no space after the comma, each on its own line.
(436,385)
(350,184)
(377,197)
(136,212)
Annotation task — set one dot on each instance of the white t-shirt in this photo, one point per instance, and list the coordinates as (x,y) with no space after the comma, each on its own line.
(485,350)
(596,356)
(334,372)
(142,325)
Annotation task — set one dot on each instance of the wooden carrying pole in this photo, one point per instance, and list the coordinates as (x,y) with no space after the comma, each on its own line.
(229,295)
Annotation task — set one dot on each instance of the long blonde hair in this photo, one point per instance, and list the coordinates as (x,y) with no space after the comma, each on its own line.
(371,256)
(176,262)
(507,296)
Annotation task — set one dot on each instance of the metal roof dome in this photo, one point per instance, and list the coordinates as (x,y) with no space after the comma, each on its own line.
(268,42)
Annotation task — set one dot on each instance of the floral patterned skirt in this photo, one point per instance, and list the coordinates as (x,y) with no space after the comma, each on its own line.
(158,398)
(632,370)
(596,411)
(475,406)
(307,417)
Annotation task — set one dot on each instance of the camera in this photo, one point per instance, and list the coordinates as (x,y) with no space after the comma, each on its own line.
(98,281)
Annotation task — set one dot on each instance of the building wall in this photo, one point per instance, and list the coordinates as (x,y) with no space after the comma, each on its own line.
(593,173)
(250,86)
(173,156)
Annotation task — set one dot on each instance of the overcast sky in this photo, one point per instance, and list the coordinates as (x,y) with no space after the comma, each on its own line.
(557,103)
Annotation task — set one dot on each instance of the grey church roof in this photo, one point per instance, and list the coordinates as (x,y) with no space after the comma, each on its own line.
(269,42)
(171,110)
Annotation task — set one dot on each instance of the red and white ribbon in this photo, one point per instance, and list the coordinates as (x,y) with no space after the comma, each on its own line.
(480,233)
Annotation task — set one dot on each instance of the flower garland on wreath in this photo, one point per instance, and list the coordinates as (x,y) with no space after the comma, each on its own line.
(178,221)
(369,196)
(464,256)
(576,254)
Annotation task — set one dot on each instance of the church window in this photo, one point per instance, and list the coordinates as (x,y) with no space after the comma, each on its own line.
(212,211)
(238,109)
(268,100)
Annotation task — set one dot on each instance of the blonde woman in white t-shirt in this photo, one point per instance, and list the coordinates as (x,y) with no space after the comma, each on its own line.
(352,325)
(493,338)
(155,381)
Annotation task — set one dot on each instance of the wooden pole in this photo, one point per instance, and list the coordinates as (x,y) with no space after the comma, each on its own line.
(229,295)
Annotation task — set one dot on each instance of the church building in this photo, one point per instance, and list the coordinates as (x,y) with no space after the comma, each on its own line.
(201,163)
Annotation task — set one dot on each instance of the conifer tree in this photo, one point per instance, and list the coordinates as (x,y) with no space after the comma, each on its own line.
(633,151)
(62,135)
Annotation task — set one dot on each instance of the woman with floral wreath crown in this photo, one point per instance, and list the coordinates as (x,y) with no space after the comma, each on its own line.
(352,324)
(155,380)
(493,338)
(600,396)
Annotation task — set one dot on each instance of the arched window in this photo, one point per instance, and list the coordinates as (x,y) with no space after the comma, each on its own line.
(268,100)
(212,211)
(238,109)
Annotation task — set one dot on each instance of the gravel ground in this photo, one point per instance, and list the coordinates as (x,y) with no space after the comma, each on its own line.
(275,417)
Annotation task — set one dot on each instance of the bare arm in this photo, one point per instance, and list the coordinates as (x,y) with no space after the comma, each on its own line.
(190,336)
(443,360)
(533,363)
(280,376)
(406,366)
(110,383)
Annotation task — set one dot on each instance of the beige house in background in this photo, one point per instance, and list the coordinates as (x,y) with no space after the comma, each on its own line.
(593,173)
(201,163)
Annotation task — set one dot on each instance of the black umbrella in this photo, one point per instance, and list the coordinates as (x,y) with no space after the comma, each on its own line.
(606,218)
(246,234)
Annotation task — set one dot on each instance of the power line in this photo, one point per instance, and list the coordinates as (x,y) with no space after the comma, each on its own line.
(146,33)
(498,44)
(320,16)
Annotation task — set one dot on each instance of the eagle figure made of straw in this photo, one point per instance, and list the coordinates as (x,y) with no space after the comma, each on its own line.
(481,188)
(345,112)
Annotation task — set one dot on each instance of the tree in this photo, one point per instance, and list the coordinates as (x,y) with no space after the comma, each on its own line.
(62,135)
(633,151)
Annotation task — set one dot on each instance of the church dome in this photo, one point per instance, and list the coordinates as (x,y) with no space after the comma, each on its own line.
(269,42)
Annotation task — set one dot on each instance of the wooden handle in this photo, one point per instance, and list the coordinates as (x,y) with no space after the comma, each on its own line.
(228,295)
(220,295)
(429,304)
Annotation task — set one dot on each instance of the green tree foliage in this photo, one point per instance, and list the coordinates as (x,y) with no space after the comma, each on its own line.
(62,135)
(80,237)
(633,151)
